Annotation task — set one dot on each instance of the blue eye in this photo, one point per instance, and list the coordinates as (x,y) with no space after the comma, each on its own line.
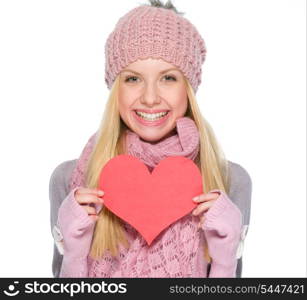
(128,79)
(172,77)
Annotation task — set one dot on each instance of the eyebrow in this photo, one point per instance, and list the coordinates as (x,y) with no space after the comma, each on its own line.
(164,71)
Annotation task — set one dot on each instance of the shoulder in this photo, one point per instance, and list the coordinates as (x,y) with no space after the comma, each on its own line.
(239,176)
(60,176)
(240,189)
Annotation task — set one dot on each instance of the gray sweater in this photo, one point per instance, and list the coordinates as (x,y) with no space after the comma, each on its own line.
(240,194)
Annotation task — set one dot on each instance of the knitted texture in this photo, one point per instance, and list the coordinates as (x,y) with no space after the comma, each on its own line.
(184,143)
(156,32)
(179,250)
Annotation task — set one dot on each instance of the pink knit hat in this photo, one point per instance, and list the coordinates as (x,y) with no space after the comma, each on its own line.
(148,31)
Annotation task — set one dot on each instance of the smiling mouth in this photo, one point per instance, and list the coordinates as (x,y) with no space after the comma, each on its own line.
(151,117)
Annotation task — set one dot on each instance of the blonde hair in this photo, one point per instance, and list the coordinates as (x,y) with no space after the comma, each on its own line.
(109,232)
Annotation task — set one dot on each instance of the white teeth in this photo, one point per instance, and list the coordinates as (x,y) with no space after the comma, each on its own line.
(151,117)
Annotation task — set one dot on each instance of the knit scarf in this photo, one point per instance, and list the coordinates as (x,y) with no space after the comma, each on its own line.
(185,142)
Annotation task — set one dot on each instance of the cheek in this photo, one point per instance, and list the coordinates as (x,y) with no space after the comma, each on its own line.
(124,104)
(123,112)
(180,105)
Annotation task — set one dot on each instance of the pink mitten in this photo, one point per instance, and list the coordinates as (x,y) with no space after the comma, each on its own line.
(77,228)
(222,228)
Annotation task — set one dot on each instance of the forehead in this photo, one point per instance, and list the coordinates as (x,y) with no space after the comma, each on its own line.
(150,65)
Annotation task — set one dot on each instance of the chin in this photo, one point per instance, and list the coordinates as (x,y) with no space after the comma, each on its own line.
(150,138)
(154,138)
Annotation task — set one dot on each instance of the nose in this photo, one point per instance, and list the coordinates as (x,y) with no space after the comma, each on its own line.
(150,96)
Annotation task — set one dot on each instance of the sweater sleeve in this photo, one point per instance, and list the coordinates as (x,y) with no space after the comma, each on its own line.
(76,227)
(222,228)
(240,193)
(58,190)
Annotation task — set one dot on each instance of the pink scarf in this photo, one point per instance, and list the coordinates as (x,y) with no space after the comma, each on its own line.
(185,142)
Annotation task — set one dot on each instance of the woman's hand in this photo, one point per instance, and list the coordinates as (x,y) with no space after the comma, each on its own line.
(91,200)
(222,229)
(205,202)
(77,217)
(76,221)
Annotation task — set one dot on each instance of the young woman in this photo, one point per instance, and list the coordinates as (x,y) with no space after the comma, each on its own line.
(153,69)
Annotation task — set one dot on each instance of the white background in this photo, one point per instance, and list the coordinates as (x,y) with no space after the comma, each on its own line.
(253,93)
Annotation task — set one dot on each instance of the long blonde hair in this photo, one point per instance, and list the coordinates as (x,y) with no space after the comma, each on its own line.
(109,232)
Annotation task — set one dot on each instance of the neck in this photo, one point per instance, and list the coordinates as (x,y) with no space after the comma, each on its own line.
(180,141)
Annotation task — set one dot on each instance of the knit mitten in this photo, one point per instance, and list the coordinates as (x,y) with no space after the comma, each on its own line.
(77,228)
(222,227)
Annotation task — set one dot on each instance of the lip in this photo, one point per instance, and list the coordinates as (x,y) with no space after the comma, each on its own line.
(151,123)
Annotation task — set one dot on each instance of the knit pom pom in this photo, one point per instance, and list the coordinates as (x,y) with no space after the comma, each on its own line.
(167,5)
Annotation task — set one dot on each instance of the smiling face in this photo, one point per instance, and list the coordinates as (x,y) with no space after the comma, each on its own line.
(152,96)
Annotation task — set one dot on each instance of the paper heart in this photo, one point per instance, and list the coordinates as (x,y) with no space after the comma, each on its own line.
(150,202)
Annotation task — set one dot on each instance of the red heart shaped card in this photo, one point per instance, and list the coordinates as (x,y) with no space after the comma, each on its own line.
(150,201)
